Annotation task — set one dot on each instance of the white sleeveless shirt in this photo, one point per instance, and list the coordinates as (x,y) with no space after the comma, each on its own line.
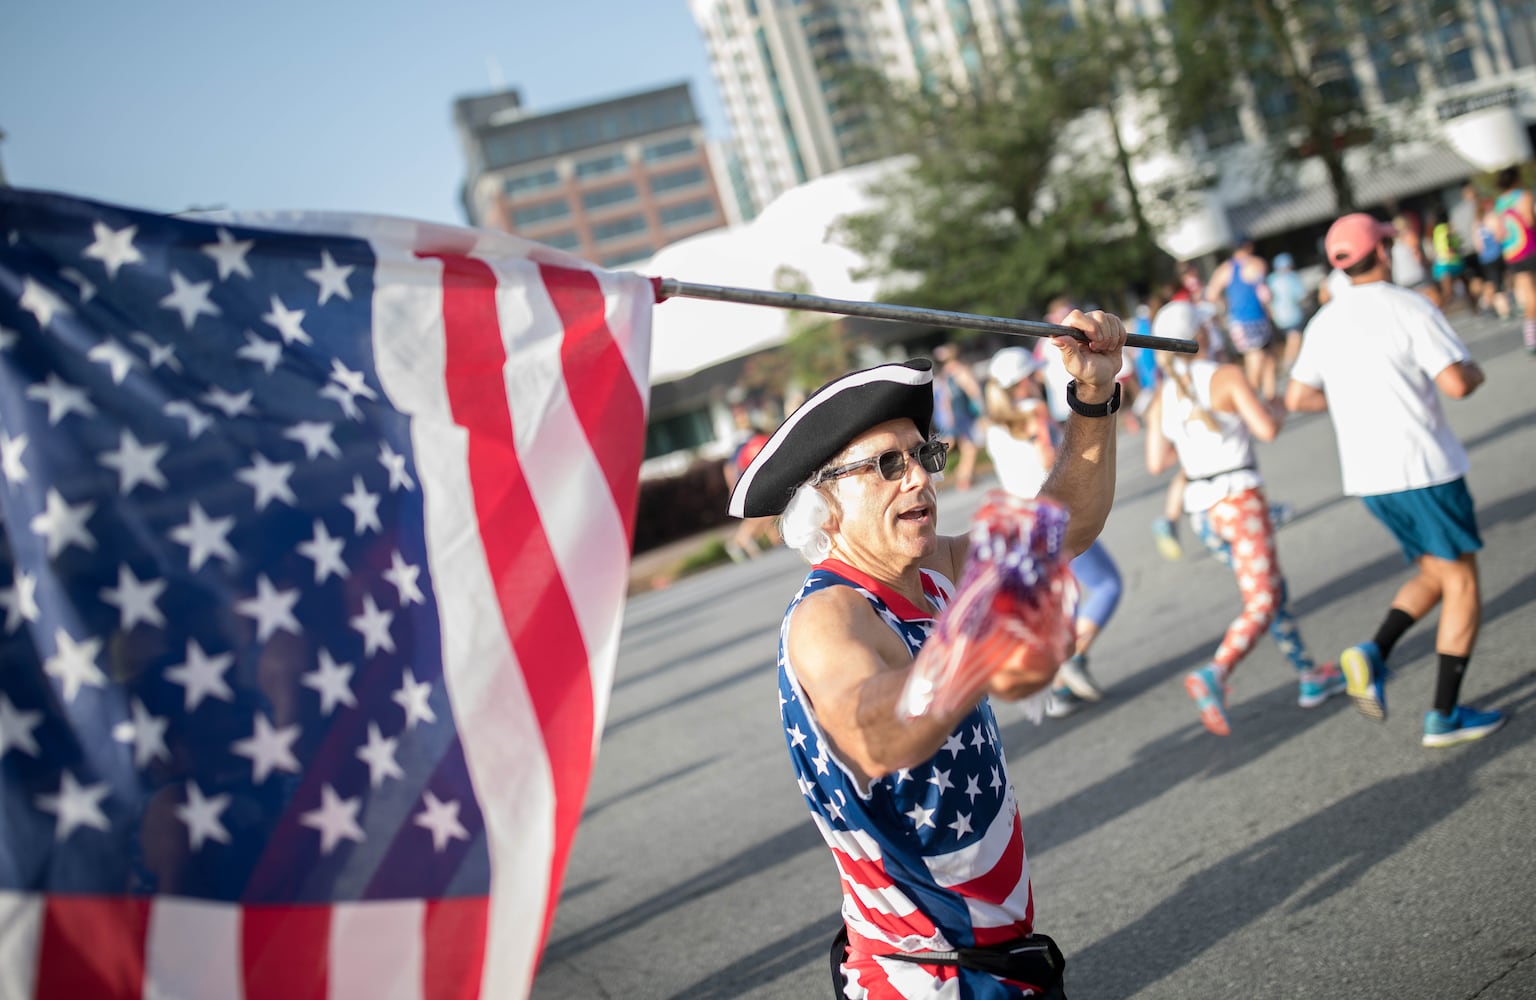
(1219,463)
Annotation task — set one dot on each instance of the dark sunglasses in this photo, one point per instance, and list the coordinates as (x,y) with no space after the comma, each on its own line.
(892,464)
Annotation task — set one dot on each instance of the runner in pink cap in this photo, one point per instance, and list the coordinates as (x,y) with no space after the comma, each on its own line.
(1353,236)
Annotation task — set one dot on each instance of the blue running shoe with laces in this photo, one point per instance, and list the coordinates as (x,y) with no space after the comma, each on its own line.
(1210,694)
(1365,676)
(1460,725)
(1319,684)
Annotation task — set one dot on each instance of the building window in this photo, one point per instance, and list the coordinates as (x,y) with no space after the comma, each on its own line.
(1397,73)
(628,256)
(668,148)
(529,183)
(677,180)
(687,211)
(1334,78)
(1277,101)
(1517,23)
(614,228)
(618,194)
(1455,56)
(1222,128)
(600,165)
(565,239)
(678,433)
(532,215)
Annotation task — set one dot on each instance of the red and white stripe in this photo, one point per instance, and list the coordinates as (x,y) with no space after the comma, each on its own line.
(167,948)
(530,471)
(880,917)
(880,978)
(992,876)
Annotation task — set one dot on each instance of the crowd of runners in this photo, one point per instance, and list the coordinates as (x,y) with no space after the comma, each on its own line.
(1270,346)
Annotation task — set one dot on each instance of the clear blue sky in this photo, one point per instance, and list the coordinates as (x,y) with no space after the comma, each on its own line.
(306,104)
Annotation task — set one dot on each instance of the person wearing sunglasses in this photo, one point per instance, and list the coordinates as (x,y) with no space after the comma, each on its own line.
(920,814)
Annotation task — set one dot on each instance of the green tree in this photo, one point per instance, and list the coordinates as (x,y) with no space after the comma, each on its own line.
(1291,62)
(1013,196)
(814,347)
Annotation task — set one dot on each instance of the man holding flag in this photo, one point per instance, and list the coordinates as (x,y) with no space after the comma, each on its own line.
(919,812)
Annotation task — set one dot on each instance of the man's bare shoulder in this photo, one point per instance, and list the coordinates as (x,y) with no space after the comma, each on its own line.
(836,639)
(830,608)
(829,620)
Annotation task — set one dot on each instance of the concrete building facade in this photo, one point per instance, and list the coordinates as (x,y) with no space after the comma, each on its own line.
(612,181)
(1458,90)
(781,64)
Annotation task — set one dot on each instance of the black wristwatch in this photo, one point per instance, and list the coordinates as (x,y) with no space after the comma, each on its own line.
(1093,409)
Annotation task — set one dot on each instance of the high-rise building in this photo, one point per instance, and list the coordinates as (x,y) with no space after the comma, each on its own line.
(780,65)
(612,181)
(781,68)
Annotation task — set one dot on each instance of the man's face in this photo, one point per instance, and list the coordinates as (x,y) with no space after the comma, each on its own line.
(878,522)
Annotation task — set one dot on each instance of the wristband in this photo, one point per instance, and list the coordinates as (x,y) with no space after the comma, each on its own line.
(1105,409)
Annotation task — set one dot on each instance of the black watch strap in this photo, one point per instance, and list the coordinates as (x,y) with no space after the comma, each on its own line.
(1093,409)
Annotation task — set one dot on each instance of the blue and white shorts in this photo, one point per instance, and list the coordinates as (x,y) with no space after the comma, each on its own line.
(1249,334)
(1436,520)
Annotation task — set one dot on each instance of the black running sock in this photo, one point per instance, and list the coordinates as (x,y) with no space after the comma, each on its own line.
(1392,628)
(1448,683)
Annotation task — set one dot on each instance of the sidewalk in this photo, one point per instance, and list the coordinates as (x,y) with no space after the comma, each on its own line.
(652,569)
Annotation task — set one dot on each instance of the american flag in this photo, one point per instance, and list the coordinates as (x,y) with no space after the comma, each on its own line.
(314,535)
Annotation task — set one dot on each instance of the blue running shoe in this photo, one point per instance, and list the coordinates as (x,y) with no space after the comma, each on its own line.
(1460,725)
(1166,534)
(1210,694)
(1365,676)
(1319,684)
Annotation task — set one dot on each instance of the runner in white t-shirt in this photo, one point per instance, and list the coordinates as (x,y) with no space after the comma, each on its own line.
(1377,358)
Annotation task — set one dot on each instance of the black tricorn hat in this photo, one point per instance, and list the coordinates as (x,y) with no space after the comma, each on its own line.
(823,425)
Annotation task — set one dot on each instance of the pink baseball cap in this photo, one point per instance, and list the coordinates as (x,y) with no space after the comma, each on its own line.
(1353,236)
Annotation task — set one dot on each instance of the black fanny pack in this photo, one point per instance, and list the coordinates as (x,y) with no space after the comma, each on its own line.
(1034,960)
(1224,472)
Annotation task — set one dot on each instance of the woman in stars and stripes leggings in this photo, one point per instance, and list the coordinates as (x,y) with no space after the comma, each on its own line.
(1205,416)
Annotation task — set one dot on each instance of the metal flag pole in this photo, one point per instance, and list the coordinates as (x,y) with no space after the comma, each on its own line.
(667,288)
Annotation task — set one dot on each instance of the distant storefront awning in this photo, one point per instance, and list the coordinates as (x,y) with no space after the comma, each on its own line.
(1436,168)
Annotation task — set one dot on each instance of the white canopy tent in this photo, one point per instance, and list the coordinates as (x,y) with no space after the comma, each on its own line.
(794,231)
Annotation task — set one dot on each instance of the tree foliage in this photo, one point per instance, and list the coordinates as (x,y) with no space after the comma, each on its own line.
(1292,62)
(1015,193)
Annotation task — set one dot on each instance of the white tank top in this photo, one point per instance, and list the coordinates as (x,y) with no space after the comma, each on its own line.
(1219,463)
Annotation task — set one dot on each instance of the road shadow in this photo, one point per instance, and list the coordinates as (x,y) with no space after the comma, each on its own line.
(1259,724)
(1337,845)
(766,636)
(790,953)
(1190,753)
(647,787)
(775,850)
(763,670)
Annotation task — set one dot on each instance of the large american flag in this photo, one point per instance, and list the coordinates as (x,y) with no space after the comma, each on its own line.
(314,535)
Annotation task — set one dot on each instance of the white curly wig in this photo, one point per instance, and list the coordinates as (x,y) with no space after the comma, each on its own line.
(804,523)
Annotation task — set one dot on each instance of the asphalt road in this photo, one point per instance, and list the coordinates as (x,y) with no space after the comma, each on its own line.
(1312,853)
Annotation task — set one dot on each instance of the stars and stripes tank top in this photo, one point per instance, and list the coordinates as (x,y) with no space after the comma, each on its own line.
(930,857)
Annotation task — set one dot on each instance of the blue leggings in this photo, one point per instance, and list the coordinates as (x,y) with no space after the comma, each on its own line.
(1098,576)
